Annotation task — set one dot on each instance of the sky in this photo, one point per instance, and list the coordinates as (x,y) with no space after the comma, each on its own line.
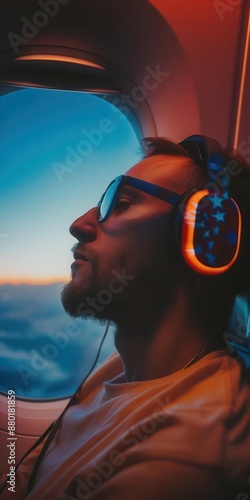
(59,151)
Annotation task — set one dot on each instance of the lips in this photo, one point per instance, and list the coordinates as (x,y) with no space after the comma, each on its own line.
(80,256)
(79,259)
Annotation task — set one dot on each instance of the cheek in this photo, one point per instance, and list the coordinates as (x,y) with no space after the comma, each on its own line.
(146,249)
(135,245)
(111,257)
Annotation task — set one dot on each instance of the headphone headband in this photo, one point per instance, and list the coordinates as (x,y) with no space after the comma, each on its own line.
(200,148)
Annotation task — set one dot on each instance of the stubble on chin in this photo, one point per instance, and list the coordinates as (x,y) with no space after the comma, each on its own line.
(70,297)
(80,300)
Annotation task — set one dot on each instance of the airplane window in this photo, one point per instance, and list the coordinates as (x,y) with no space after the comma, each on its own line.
(59,150)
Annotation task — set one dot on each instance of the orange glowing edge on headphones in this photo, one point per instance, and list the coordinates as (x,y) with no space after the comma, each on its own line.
(188,233)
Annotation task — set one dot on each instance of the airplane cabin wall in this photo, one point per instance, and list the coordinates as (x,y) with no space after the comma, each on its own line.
(213,36)
(198,47)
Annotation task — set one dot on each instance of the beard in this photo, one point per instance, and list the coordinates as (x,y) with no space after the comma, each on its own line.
(72,299)
(121,297)
(95,298)
(79,295)
(128,284)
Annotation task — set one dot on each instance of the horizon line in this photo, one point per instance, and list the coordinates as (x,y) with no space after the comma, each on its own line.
(34,281)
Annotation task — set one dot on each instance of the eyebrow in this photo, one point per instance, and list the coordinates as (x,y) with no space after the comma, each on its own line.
(153,189)
(135,193)
(126,189)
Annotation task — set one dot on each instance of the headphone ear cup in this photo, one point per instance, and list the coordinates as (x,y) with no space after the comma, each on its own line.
(209,231)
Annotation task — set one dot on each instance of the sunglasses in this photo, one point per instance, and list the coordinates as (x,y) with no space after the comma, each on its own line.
(109,198)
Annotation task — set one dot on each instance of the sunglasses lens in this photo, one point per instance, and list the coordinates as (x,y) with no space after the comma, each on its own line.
(107,201)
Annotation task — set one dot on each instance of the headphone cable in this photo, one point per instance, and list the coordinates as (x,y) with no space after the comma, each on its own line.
(52,429)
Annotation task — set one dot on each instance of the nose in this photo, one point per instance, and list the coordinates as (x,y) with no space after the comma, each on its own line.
(85,227)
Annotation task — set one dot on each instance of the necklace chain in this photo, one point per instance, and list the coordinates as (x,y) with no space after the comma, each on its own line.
(196,358)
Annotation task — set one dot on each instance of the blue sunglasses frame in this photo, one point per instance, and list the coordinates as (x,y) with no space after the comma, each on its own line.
(147,187)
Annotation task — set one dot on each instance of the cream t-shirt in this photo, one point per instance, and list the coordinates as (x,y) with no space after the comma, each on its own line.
(183,436)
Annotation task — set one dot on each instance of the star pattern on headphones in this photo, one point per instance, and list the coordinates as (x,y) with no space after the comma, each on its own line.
(219,216)
(231,238)
(210,259)
(217,201)
(215,240)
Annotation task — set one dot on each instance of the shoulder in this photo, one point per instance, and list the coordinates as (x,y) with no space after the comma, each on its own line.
(222,391)
(109,369)
(237,424)
(221,384)
(223,378)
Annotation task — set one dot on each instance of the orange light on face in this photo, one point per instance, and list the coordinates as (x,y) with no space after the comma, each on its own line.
(192,220)
(57,58)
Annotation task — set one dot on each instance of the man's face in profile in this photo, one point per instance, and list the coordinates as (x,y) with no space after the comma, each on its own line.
(126,265)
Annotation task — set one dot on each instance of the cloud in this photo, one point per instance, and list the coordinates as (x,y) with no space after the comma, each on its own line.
(44,353)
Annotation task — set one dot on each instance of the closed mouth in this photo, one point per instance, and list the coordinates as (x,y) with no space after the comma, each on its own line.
(79,256)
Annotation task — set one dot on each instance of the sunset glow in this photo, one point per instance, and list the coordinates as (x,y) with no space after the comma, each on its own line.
(59,152)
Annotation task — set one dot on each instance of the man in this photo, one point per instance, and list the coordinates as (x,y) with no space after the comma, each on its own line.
(168,417)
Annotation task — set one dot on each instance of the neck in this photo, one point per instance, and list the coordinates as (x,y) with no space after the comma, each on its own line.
(156,347)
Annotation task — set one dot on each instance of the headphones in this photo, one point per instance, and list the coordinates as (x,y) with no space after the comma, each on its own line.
(209,219)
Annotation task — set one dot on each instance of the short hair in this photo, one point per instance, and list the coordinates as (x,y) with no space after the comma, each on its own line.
(216,293)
